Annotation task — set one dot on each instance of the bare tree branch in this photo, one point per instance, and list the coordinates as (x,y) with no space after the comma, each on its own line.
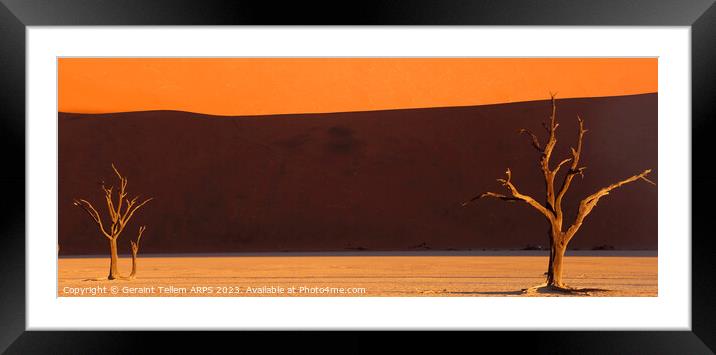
(556,170)
(92,212)
(552,140)
(515,195)
(491,194)
(545,126)
(588,203)
(574,169)
(535,141)
(122,189)
(647,180)
(507,183)
(108,199)
(130,212)
(135,245)
(547,154)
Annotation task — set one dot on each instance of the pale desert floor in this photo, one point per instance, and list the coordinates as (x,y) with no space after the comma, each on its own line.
(435,275)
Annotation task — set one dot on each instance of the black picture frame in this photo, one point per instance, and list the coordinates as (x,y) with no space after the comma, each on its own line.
(16,15)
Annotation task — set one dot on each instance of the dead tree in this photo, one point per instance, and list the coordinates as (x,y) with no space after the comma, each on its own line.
(120,212)
(559,235)
(135,250)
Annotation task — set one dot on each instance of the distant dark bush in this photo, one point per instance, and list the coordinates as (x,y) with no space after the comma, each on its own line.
(357,248)
(423,246)
(533,247)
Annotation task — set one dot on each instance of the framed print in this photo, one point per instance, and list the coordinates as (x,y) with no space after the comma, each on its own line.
(519,176)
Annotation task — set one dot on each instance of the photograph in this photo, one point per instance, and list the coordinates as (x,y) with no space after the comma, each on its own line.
(357,177)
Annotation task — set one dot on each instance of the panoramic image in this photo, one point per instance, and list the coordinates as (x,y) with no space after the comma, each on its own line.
(357,177)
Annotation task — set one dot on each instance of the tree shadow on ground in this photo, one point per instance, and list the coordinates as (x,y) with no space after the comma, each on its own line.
(534,291)
(494,293)
(563,291)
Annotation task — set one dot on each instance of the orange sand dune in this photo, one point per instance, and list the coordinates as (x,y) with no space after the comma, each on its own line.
(379,180)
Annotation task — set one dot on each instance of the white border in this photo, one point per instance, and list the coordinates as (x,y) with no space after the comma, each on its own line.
(670,310)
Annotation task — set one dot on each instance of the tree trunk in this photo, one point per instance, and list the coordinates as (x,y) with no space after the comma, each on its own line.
(134,263)
(554,272)
(551,250)
(113,260)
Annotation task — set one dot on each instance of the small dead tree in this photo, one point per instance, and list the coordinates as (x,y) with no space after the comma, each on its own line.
(559,236)
(120,212)
(135,251)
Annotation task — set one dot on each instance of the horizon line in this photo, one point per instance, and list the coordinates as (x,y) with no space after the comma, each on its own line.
(434,252)
(354,111)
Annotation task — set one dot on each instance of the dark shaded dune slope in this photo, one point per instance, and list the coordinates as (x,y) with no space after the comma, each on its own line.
(380,180)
